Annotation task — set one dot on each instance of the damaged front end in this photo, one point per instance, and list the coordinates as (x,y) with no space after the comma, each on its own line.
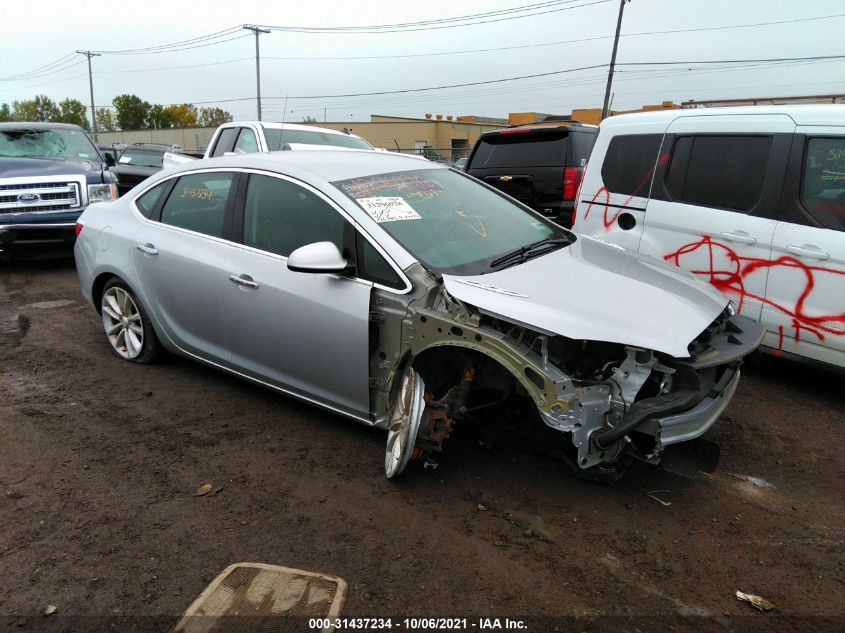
(612,401)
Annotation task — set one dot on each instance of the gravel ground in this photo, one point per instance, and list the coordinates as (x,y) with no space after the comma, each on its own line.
(100,460)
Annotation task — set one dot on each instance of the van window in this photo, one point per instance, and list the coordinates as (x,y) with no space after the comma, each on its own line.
(629,163)
(719,171)
(823,181)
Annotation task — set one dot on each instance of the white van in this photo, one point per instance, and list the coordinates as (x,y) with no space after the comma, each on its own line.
(752,199)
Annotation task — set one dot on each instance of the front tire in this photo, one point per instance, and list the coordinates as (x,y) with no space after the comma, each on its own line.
(127,327)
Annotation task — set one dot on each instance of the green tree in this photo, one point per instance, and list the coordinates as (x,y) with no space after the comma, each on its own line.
(132,112)
(105,120)
(41,108)
(73,111)
(213,117)
(5,112)
(158,118)
(309,119)
(184,115)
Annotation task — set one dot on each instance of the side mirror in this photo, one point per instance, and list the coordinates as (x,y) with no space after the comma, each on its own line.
(110,160)
(319,257)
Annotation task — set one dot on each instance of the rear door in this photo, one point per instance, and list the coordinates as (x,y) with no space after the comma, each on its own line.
(715,200)
(804,312)
(180,259)
(525,163)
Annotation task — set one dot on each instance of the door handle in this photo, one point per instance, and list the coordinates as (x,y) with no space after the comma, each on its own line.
(147,249)
(243,280)
(742,238)
(808,252)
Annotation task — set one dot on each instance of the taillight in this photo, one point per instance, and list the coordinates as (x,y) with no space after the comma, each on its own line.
(79,226)
(571,180)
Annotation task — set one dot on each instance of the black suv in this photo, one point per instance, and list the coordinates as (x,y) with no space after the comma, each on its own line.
(136,163)
(539,165)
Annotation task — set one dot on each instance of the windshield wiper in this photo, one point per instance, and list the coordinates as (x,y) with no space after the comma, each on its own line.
(526,252)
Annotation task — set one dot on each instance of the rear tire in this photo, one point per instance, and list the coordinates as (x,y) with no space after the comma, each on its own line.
(126,324)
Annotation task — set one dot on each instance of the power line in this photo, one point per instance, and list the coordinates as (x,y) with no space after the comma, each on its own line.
(445,23)
(194,40)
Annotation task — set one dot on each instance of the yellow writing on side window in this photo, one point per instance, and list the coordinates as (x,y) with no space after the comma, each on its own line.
(196,192)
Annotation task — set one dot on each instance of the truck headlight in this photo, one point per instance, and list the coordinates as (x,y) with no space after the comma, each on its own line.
(102,193)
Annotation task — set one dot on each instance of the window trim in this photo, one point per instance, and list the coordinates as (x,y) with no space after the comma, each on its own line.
(238,222)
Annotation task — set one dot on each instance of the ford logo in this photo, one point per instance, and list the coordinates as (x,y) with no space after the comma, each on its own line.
(29,197)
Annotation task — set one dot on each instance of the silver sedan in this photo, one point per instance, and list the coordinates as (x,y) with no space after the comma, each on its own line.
(409,296)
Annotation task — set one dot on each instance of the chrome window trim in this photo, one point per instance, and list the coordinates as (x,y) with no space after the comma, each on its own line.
(235,170)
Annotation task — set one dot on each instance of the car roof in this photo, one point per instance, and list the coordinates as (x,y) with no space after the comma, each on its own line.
(288,126)
(326,165)
(37,125)
(803,114)
(575,127)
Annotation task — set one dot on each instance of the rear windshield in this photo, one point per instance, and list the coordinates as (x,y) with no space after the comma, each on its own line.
(277,139)
(520,149)
(141,157)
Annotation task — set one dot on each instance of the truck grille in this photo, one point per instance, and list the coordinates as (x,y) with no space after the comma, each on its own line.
(39,197)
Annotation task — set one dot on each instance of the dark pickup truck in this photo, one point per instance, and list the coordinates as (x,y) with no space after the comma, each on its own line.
(49,174)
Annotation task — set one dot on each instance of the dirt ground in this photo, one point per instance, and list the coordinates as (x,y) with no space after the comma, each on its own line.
(100,460)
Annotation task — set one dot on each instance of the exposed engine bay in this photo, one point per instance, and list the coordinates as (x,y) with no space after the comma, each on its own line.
(611,402)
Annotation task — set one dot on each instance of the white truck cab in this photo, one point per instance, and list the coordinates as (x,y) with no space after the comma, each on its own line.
(249,137)
(752,199)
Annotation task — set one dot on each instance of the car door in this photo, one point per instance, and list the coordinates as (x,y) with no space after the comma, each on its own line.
(715,200)
(180,260)
(804,310)
(304,333)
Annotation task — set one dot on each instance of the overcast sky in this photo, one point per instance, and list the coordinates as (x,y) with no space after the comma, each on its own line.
(36,35)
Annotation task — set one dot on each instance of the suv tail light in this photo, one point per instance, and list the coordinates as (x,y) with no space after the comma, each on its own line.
(79,226)
(571,180)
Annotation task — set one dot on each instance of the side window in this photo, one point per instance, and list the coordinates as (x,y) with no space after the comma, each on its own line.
(719,171)
(147,202)
(280,216)
(247,143)
(198,203)
(823,181)
(629,163)
(373,267)
(226,141)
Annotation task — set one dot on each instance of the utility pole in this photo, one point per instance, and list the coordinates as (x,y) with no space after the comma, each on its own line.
(257,31)
(89,55)
(612,60)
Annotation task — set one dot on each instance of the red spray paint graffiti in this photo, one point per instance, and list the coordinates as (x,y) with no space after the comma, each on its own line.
(730,280)
(609,219)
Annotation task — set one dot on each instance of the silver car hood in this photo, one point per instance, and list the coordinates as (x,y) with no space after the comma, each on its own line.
(597,291)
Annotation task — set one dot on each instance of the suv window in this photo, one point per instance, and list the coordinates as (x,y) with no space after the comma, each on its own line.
(247,143)
(280,216)
(629,163)
(198,203)
(141,157)
(719,171)
(823,181)
(520,149)
(226,141)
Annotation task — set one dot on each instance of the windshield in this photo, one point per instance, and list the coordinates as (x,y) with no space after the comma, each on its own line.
(141,157)
(30,143)
(448,221)
(277,139)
